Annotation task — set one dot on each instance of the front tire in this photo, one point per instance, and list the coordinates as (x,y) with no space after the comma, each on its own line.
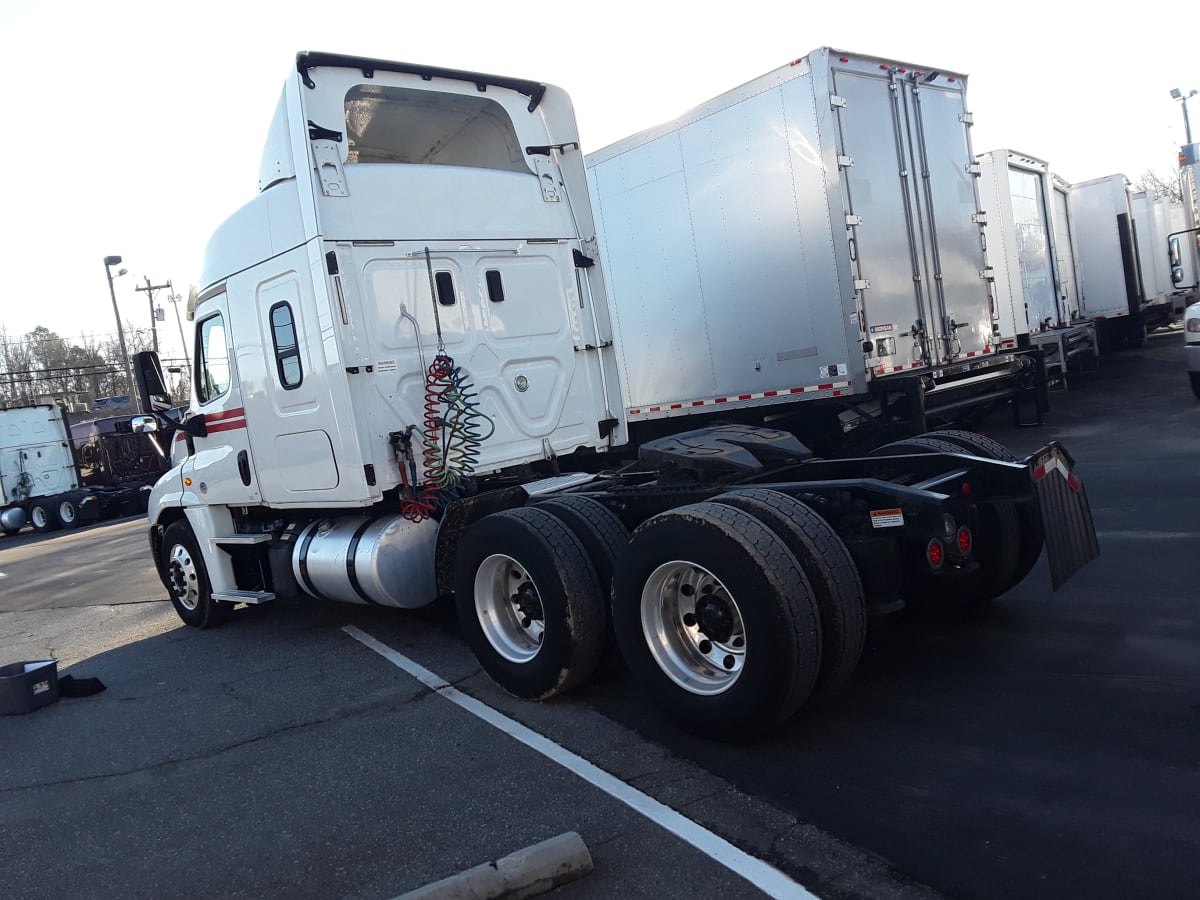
(529,602)
(717,621)
(186,578)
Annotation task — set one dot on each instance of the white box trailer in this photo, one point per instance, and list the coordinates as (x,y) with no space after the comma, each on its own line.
(1152,218)
(1030,291)
(1021,242)
(814,233)
(1112,290)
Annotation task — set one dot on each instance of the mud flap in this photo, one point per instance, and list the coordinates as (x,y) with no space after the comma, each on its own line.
(1066,517)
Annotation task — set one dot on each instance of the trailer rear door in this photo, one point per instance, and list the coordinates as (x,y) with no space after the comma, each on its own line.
(912,203)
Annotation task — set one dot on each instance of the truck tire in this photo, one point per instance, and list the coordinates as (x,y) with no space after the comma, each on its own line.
(529,602)
(1194,377)
(831,571)
(68,509)
(43,515)
(997,539)
(717,621)
(187,579)
(603,535)
(1029,516)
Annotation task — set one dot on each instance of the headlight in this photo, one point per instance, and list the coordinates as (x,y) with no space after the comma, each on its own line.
(1193,325)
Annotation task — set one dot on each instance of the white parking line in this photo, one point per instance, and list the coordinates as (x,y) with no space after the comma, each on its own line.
(763,876)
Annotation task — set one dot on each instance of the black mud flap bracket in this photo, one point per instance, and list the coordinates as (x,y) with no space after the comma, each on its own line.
(1066,517)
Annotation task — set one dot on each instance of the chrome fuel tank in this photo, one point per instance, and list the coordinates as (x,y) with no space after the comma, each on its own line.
(387,561)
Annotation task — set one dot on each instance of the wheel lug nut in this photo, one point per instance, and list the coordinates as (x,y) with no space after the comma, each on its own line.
(706,646)
(728,662)
(689,619)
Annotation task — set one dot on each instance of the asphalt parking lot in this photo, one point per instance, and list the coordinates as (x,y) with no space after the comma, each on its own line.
(1046,750)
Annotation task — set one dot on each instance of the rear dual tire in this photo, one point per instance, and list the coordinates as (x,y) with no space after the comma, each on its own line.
(717,620)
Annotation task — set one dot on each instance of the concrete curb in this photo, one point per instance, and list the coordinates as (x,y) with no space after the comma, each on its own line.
(526,873)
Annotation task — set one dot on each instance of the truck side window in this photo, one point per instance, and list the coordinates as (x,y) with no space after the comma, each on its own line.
(287,350)
(212,362)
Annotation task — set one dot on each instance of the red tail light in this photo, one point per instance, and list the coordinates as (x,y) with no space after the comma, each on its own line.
(964,539)
(935,553)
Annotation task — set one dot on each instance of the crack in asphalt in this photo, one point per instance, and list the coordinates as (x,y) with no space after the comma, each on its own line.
(381,706)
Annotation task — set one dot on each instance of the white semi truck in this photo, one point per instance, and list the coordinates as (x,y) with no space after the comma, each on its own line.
(406,388)
(810,242)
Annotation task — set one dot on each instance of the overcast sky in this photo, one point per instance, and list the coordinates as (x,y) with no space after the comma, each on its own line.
(133,128)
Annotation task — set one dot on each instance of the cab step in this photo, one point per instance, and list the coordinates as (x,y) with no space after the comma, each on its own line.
(242,539)
(252,597)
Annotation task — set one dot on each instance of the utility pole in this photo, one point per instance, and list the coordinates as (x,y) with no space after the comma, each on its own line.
(150,289)
(175,300)
(109,262)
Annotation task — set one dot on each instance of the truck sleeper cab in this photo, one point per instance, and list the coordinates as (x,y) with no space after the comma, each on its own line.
(406,388)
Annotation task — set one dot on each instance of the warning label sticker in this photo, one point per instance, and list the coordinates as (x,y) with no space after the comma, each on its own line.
(887,518)
(385,365)
(882,329)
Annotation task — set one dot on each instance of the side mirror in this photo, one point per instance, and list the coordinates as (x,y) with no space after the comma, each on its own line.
(141,424)
(151,386)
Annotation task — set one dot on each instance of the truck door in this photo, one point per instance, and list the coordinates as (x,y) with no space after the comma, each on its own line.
(221,470)
(912,199)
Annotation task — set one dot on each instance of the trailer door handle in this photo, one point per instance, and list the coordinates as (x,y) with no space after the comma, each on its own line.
(244,467)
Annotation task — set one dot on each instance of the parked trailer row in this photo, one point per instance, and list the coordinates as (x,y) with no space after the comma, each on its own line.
(54,476)
(412,381)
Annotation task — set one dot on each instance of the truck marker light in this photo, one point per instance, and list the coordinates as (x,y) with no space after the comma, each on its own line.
(952,79)
(935,553)
(964,539)
(966,488)
(187,482)
(844,58)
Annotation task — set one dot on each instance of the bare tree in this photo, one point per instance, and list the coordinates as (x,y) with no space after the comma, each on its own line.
(1161,186)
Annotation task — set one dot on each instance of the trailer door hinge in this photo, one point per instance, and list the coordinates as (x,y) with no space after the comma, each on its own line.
(853,220)
(836,102)
(845,162)
(581,261)
(979,218)
(989,273)
(862,284)
(966,118)
(974,169)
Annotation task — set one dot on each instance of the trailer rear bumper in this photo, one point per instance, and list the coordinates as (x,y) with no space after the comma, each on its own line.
(1066,517)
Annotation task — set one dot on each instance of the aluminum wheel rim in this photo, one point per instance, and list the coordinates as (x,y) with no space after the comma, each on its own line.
(508,607)
(181,570)
(66,512)
(37,517)
(684,638)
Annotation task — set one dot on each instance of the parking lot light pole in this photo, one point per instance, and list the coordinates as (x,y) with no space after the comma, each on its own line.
(109,262)
(1183,99)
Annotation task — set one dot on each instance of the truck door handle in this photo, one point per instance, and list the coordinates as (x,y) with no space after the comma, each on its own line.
(244,467)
